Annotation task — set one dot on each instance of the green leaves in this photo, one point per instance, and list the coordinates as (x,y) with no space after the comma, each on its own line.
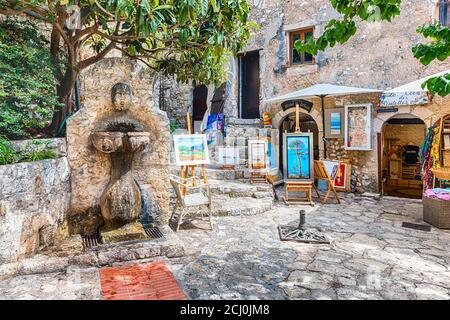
(340,31)
(437,49)
(27,80)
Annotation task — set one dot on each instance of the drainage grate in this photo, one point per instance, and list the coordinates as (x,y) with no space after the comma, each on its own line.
(288,233)
(91,241)
(416,226)
(154,233)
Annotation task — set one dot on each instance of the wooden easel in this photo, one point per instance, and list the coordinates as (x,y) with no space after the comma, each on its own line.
(320,173)
(185,169)
(301,186)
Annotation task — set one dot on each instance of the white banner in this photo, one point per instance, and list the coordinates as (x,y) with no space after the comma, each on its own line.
(395,99)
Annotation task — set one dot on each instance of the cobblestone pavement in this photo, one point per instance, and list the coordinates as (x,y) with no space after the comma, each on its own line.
(371,256)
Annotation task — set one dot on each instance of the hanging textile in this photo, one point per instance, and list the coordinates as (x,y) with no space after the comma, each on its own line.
(426,159)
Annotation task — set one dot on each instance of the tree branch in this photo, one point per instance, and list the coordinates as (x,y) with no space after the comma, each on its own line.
(89,61)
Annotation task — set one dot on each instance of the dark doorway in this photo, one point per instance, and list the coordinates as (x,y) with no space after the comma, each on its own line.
(402,136)
(199,106)
(249,83)
(199,102)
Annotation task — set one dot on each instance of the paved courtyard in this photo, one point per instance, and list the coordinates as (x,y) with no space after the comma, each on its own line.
(371,256)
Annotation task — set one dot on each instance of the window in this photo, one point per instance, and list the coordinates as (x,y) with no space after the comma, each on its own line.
(444,12)
(294,56)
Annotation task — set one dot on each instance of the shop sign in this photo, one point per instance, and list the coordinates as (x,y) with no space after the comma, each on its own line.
(386,110)
(394,99)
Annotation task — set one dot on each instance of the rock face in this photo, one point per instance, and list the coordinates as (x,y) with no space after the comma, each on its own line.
(91,169)
(34,197)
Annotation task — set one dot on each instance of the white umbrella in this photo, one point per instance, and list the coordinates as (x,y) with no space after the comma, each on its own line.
(321,91)
(408,94)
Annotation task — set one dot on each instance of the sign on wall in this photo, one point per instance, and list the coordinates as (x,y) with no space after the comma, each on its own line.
(395,99)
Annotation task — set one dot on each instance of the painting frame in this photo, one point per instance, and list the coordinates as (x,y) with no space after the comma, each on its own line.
(309,153)
(361,127)
(330,123)
(347,174)
(251,155)
(199,139)
(225,153)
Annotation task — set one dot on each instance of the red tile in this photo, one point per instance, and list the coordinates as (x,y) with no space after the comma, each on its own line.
(150,281)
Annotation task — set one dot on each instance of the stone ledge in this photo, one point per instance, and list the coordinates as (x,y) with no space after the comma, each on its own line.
(102,255)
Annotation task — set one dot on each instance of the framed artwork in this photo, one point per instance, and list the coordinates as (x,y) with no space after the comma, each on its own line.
(334,123)
(343,175)
(358,127)
(331,167)
(228,156)
(257,155)
(298,157)
(191,149)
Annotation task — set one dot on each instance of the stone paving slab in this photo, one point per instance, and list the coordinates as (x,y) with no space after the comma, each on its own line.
(371,256)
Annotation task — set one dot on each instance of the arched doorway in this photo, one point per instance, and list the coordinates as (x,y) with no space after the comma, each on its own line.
(402,135)
(307,124)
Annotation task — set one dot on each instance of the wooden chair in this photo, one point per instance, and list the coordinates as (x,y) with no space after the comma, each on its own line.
(320,173)
(197,194)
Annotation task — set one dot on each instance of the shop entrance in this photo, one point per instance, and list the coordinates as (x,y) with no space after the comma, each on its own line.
(402,136)
(307,124)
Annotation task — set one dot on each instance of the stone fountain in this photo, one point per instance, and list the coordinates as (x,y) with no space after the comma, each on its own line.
(118,152)
(121,137)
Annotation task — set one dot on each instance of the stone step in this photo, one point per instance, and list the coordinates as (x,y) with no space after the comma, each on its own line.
(214,173)
(223,205)
(236,189)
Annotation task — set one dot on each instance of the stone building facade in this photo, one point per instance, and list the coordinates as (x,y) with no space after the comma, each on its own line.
(379,56)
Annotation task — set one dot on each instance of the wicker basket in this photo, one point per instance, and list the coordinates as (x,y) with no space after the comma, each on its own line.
(442,173)
(436,212)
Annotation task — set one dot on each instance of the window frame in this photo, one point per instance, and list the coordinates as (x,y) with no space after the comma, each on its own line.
(446,4)
(302,32)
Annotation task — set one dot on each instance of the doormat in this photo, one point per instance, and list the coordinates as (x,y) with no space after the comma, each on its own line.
(149,281)
(416,226)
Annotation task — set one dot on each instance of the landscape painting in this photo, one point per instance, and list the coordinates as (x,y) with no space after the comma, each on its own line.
(257,155)
(228,156)
(334,124)
(191,149)
(298,156)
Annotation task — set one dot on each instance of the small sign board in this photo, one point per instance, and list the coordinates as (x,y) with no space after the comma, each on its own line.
(395,99)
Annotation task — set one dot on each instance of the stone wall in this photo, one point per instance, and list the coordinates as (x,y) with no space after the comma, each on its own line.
(56,145)
(34,198)
(90,169)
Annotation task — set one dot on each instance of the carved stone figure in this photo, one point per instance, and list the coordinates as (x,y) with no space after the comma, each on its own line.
(121,137)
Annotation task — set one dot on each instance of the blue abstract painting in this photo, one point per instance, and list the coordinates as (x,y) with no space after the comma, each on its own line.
(298,157)
(335,123)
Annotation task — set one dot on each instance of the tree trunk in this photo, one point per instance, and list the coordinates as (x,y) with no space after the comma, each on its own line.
(64,91)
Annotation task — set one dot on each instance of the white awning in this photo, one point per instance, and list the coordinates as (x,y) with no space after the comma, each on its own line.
(408,94)
(416,86)
(321,89)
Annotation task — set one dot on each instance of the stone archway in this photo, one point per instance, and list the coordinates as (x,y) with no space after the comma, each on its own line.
(401,137)
(279,118)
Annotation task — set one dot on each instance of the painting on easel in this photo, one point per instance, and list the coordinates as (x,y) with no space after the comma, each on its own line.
(228,156)
(191,149)
(298,156)
(257,155)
